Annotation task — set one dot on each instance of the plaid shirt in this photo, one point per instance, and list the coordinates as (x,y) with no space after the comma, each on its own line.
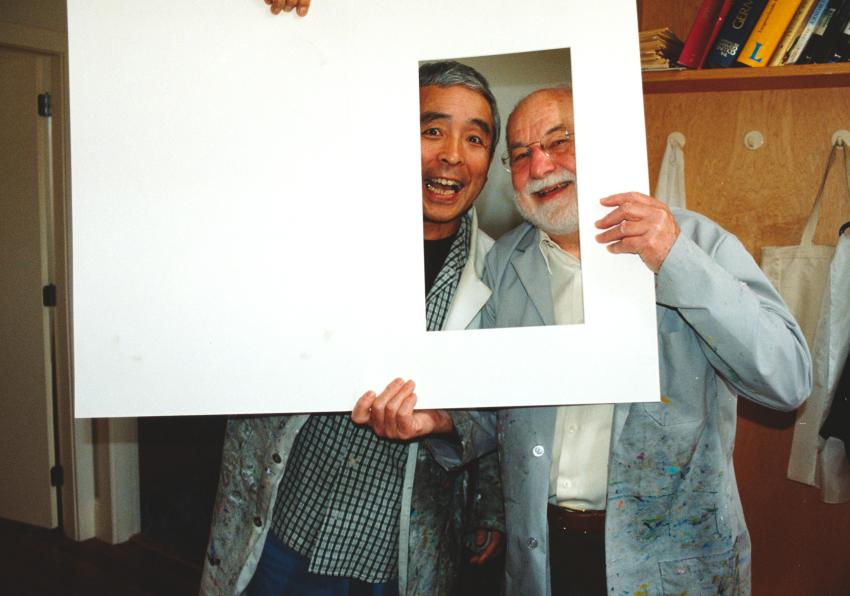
(340,498)
(440,297)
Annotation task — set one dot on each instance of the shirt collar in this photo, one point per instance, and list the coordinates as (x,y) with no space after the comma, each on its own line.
(554,255)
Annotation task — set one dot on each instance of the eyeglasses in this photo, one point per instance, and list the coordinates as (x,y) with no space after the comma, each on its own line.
(555,143)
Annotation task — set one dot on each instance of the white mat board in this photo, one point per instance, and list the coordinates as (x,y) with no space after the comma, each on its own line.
(247,212)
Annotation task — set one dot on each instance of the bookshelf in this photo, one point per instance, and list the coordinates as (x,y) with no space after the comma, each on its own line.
(803,76)
(680,15)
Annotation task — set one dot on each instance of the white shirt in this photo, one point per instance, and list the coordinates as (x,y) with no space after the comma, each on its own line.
(578,478)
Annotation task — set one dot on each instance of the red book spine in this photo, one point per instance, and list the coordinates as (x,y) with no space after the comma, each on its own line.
(699,36)
(718,23)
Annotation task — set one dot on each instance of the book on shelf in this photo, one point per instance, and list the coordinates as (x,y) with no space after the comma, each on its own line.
(799,45)
(659,49)
(798,22)
(703,32)
(826,33)
(769,28)
(734,32)
(841,50)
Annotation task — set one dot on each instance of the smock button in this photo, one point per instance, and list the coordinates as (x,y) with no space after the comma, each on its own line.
(276,458)
(532,543)
(538,450)
(258,522)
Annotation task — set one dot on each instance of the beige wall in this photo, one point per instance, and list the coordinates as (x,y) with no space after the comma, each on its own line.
(39,14)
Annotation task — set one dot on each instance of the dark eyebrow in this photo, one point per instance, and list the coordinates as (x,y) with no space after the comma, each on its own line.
(427,117)
(548,132)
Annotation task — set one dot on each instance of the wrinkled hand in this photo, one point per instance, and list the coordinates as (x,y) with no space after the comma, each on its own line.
(301,6)
(640,224)
(493,543)
(391,414)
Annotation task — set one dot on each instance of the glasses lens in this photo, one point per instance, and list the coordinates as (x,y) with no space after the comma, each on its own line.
(519,154)
(558,142)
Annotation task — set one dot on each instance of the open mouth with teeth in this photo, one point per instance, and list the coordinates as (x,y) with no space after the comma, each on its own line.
(551,190)
(443,186)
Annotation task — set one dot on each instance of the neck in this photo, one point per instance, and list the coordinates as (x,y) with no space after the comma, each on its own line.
(568,243)
(436,230)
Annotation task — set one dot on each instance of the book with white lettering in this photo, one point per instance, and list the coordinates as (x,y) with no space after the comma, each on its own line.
(825,33)
(806,34)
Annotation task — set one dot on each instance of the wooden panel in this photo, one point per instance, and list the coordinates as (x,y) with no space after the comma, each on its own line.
(800,545)
(763,196)
(678,15)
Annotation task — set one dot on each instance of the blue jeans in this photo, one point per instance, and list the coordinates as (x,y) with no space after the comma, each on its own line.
(282,571)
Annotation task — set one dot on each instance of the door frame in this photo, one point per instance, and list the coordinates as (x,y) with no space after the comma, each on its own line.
(99,458)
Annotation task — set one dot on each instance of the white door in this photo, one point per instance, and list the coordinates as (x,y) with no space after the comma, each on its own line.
(26,389)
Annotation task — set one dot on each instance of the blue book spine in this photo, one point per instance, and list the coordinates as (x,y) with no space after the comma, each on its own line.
(734,33)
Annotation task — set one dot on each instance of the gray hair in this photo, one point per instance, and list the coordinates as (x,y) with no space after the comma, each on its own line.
(450,73)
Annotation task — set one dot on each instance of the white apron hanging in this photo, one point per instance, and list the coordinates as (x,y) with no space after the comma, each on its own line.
(671,176)
(799,272)
(814,460)
(813,280)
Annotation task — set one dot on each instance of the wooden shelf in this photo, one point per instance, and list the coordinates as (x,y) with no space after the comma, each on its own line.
(805,76)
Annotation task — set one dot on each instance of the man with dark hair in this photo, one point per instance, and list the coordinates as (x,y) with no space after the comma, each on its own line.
(630,498)
(318,505)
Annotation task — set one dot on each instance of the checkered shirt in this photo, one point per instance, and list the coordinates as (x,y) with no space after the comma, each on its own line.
(339,500)
(443,291)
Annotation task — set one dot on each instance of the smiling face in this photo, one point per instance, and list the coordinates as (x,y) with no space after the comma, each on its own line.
(456,133)
(545,185)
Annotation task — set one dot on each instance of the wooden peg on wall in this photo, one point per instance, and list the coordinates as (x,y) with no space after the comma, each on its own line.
(841,136)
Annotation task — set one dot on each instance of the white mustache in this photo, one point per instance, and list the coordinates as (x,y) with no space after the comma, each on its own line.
(552,179)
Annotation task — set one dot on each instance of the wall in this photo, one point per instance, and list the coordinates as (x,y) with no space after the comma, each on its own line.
(800,545)
(41,14)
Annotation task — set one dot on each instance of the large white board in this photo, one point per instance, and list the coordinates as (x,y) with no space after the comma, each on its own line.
(247,212)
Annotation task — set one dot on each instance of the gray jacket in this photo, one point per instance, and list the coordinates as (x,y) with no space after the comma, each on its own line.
(674,522)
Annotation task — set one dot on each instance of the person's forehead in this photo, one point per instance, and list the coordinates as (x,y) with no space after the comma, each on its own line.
(454,100)
(542,111)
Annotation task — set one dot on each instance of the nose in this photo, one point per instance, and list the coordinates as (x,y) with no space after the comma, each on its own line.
(541,164)
(451,151)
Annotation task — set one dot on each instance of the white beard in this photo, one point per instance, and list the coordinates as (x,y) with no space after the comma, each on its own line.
(557,217)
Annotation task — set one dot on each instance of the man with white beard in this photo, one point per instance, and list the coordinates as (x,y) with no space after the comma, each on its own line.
(629,498)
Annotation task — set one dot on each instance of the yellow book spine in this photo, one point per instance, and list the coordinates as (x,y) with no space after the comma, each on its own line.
(792,32)
(767,33)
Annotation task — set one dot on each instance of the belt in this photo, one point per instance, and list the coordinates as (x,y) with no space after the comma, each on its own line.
(570,522)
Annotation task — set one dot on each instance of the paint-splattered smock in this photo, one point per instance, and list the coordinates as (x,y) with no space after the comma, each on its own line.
(256,449)
(674,522)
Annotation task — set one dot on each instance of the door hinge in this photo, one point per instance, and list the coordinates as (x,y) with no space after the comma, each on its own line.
(57,476)
(48,295)
(45,105)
